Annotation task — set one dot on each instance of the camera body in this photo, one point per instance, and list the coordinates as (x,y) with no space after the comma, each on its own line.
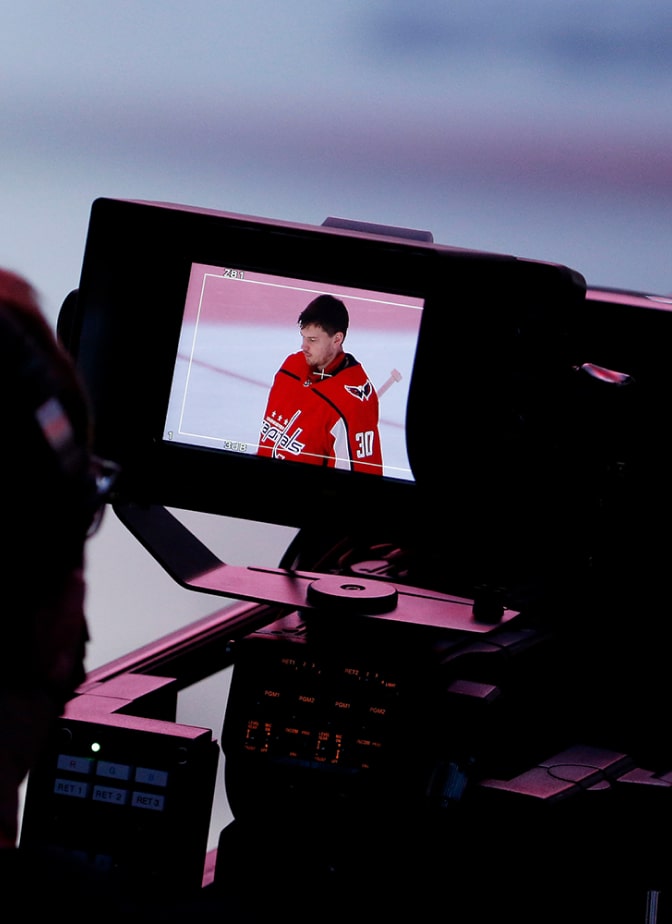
(463,646)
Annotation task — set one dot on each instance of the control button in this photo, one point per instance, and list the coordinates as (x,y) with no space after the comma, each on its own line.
(110,794)
(74,788)
(74,764)
(111,769)
(148,800)
(151,777)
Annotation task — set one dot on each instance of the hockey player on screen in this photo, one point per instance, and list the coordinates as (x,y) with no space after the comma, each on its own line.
(322,407)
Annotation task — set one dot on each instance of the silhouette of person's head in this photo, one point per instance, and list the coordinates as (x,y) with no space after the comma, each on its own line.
(48,498)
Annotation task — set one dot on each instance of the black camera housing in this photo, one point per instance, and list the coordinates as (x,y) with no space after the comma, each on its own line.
(509,674)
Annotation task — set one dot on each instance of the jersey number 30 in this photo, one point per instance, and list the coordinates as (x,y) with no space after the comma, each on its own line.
(364,443)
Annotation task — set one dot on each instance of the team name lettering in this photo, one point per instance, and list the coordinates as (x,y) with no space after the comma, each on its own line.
(283,438)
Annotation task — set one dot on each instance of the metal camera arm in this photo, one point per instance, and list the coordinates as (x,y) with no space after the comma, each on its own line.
(194,566)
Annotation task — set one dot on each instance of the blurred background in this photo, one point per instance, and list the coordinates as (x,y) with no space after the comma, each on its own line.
(535,128)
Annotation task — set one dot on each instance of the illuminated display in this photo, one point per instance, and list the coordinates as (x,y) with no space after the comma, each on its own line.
(237,329)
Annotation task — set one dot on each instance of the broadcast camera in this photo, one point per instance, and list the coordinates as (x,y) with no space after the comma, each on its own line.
(452,690)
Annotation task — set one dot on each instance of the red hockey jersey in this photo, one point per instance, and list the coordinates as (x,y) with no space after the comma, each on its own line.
(330,420)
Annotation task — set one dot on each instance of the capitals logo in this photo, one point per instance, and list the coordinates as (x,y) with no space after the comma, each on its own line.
(281,435)
(362,392)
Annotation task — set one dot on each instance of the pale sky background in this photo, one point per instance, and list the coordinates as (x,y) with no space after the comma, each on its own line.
(533,128)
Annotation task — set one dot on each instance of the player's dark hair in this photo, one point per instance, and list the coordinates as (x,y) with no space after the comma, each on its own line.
(327,311)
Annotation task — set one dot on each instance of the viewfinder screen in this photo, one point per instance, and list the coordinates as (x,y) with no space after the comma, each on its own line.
(243,384)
